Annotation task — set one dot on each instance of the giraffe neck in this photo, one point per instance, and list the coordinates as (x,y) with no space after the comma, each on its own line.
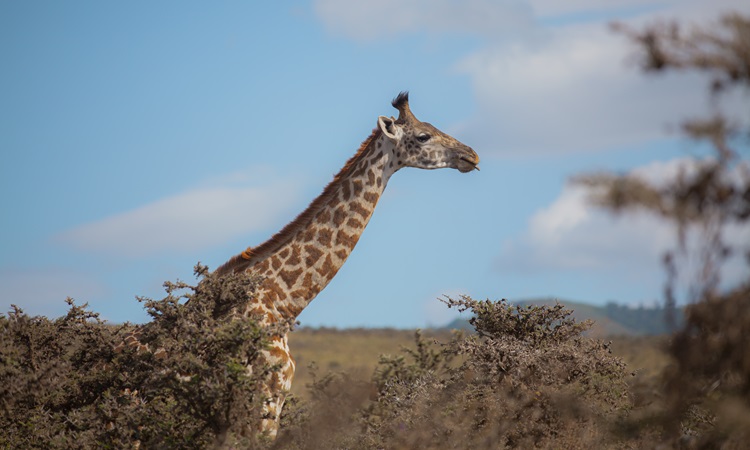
(300,260)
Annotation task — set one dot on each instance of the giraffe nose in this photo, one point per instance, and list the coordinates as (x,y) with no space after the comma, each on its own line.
(469,160)
(476,157)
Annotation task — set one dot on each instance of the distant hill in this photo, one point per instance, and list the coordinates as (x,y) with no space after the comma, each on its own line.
(611,319)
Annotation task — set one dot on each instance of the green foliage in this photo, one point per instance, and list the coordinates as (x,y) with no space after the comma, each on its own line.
(179,381)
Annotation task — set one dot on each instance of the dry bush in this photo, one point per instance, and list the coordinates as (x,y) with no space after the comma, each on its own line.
(77,382)
(526,378)
(708,388)
(705,392)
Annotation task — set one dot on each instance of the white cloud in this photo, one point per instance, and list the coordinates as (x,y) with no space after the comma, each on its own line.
(575,88)
(544,89)
(188,221)
(572,90)
(546,8)
(572,236)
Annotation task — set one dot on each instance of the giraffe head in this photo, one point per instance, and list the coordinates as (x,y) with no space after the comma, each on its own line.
(419,144)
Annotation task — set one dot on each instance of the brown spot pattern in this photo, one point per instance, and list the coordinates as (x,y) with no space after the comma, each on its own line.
(357,187)
(324,216)
(360,170)
(371,197)
(301,294)
(272,294)
(262,266)
(294,259)
(309,234)
(290,276)
(289,311)
(314,291)
(354,223)
(276,352)
(324,237)
(294,311)
(344,239)
(313,255)
(339,216)
(327,270)
(359,209)
(283,310)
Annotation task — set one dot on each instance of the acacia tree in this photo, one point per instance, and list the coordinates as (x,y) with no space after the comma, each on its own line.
(707,390)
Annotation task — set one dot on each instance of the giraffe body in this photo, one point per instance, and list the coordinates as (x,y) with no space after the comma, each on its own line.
(300,260)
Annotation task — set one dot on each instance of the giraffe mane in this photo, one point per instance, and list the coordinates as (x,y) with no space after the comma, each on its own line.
(253,255)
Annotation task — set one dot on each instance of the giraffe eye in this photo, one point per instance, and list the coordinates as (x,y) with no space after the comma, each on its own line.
(424,137)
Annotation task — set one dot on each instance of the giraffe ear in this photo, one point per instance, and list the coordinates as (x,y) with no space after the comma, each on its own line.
(388,127)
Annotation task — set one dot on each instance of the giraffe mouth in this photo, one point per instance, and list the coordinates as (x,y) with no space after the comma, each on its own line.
(468,164)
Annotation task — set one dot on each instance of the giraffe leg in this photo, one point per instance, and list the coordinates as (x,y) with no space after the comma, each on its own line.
(277,386)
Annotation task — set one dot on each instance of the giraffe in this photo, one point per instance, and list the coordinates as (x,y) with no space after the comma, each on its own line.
(300,260)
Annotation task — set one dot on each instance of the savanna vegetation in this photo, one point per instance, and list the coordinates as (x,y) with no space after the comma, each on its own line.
(526,376)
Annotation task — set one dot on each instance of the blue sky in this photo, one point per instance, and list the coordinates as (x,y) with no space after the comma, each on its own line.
(139,138)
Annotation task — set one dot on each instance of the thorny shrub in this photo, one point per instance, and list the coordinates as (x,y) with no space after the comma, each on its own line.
(526,378)
(179,381)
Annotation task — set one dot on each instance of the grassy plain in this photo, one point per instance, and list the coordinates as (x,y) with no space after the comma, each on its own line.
(357,352)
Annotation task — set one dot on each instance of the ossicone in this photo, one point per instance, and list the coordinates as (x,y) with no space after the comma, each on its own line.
(401,102)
